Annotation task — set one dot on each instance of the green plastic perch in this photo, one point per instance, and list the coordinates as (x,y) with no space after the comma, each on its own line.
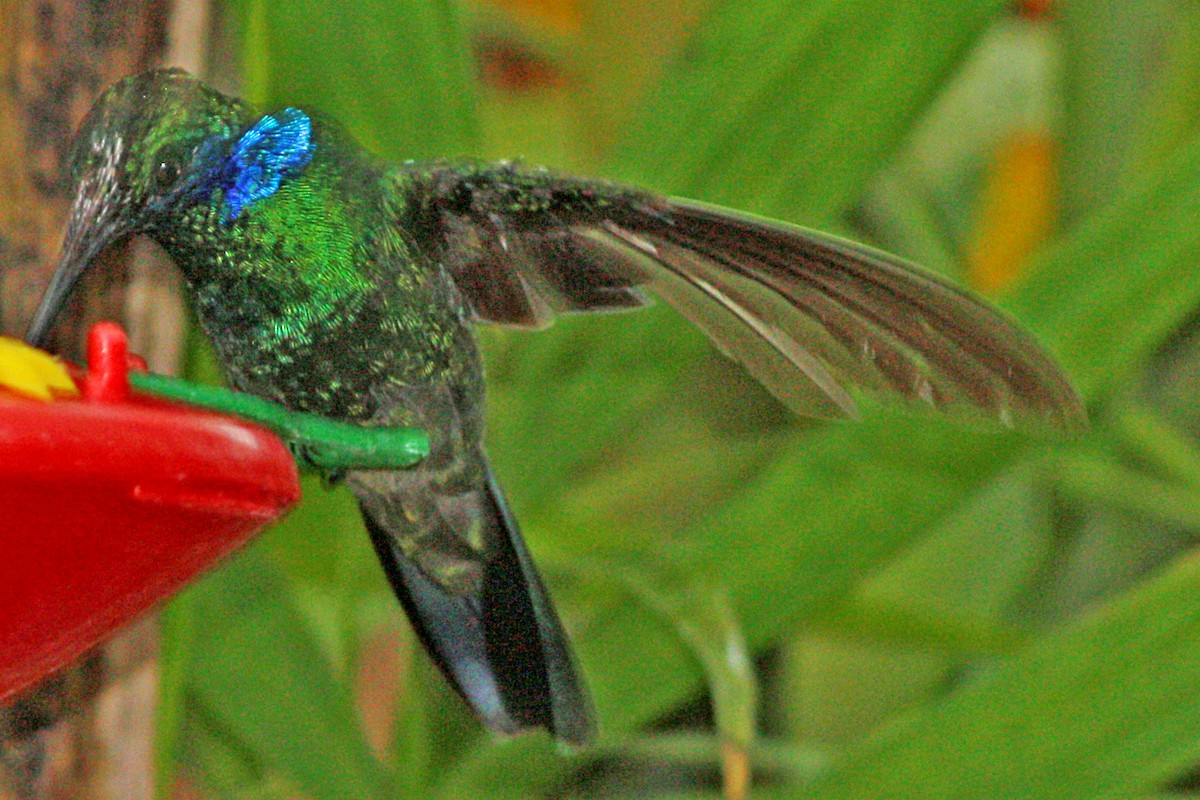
(318,444)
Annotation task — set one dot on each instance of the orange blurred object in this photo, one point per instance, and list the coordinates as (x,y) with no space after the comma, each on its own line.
(512,66)
(1017,213)
(1036,9)
(560,16)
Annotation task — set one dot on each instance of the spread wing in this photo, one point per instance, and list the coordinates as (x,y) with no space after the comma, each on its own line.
(813,317)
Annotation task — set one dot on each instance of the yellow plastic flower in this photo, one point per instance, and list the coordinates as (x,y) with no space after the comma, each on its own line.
(31,372)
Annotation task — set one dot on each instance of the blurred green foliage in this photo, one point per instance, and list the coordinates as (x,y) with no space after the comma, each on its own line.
(950,612)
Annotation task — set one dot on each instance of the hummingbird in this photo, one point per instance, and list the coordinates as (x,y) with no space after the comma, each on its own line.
(337,283)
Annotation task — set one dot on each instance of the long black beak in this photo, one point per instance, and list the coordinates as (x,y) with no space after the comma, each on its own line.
(93,226)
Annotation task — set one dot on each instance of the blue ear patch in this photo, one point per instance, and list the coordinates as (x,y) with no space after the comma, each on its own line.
(277,147)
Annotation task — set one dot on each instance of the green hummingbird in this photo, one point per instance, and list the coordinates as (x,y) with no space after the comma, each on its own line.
(333,282)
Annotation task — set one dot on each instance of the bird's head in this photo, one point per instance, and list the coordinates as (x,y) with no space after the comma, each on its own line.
(155,143)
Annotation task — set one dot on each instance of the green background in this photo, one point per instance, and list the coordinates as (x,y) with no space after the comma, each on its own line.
(936,610)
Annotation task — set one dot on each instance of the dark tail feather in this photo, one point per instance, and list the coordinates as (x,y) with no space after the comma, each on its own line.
(504,651)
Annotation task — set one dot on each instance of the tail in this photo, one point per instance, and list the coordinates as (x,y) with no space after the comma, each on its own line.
(503,649)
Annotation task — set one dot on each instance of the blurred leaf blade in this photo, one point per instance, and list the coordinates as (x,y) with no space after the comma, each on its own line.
(399,75)
(706,622)
(1113,53)
(1107,708)
(821,93)
(1171,106)
(179,638)
(412,742)
(855,496)
(830,511)
(299,717)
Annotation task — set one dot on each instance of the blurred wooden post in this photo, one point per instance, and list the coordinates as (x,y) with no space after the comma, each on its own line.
(86,733)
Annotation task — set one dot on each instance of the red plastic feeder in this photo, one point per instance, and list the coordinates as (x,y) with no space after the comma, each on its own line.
(110,502)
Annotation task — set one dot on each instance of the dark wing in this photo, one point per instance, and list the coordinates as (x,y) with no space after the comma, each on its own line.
(502,647)
(813,317)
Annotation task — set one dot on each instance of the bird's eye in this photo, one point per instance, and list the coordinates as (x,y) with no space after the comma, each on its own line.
(169,163)
(166,172)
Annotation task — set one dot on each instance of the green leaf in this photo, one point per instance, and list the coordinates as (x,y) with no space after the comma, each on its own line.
(262,675)
(921,620)
(413,741)
(829,511)
(851,497)
(398,74)
(178,637)
(1107,708)
(975,564)
(704,620)
(1159,442)
(788,108)
(1113,55)
(1102,481)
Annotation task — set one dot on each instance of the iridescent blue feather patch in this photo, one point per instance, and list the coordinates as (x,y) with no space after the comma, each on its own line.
(277,147)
